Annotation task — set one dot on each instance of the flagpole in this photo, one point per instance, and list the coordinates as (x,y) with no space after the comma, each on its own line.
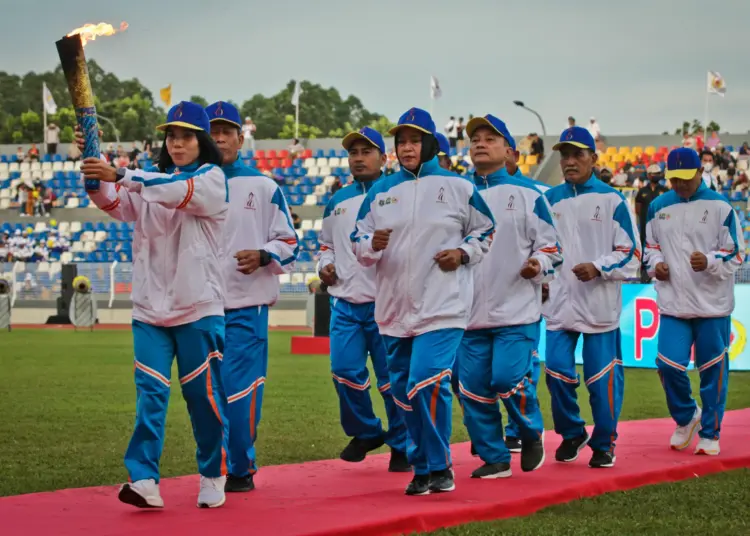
(296,119)
(705,125)
(44,114)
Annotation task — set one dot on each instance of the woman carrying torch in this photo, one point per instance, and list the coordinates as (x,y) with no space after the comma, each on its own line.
(178,210)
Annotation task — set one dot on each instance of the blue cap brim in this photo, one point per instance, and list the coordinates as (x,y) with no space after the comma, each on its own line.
(350,138)
(557,146)
(219,119)
(178,124)
(395,129)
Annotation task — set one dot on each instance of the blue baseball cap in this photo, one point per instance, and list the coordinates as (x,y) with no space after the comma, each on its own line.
(495,124)
(367,134)
(187,114)
(223,111)
(577,137)
(445,148)
(415,118)
(682,163)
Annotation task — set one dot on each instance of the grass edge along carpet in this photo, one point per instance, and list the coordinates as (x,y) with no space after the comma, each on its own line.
(334,498)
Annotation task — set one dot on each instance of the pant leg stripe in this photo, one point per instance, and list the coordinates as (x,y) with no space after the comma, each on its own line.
(476,398)
(512,391)
(405,407)
(429,381)
(670,363)
(560,377)
(348,383)
(197,372)
(384,388)
(154,374)
(242,394)
(599,375)
(717,359)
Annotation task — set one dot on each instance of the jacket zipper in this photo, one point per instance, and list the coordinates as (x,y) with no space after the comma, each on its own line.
(411,236)
(479,270)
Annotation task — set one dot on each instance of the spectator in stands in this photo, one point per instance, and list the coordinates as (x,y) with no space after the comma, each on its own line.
(444,151)
(48,200)
(4,251)
(336,186)
(248,132)
(23,194)
(621,178)
(695,296)
(451,131)
(296,221)
(259,244)
(460,130)
(537,147)
(74,153)
(707,161)
(605,175)
(594,129)
(353,331)
(724,158)
(699,140)
(52,138)
(713,140)
(33,154)
(744,150)
(645,196)
(296,149)
(688,141)
(20,155)
(741,184)
(178,305)
(423,320)
(391,165)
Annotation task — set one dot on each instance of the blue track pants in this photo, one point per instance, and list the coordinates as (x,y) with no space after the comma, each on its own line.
(495,364)
(512,429)
(420,370)
(711,339)
(198,347)
(244,374)
(354,334)
(603,374)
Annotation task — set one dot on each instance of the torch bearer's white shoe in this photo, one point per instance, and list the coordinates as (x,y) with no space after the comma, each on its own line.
(142,494)
(212,492)
(708,447)
(683,435)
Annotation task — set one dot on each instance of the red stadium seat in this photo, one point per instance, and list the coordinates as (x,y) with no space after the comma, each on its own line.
(271,154)
(283,154)
(307,153)
(263,165)
(663,150)
(275,162)
(286,162)
(260,155)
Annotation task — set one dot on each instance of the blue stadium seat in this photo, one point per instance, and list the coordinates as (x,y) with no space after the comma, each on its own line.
(304,256)
(300,172)
(298,162)
(4,158)
(311,245)
(310,235)
(293,189)
(87,226)
(306,189)
(332,153)
(343,153)
(320,153)
(296,200)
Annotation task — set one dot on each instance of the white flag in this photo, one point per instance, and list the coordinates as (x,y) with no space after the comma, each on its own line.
(716,84)
(49,101)
(297,93)
(435,90)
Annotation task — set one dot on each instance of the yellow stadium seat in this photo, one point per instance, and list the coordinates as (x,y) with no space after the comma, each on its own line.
(521,160)
(531,160)
(604,158)
(651,150)
(624,150)
(611,150)
(617,158)
(637,150)
(524,170)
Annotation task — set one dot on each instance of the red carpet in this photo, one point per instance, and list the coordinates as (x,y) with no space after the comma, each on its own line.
(336,498)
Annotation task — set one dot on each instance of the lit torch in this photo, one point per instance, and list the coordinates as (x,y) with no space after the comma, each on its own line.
(70,50)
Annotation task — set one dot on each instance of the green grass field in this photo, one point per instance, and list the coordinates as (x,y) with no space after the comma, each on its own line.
(67,406)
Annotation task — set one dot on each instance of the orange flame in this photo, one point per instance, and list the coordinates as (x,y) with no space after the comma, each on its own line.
(89,32)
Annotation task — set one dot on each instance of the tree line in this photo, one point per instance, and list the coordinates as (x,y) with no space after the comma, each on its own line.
(135,112)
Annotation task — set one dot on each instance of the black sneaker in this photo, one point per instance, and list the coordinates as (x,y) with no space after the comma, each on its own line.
(532,455)
(442,481)
(239,483)
(419,485)
(358,448)
(602,459)
(569,449)
(474,450)
(399,462)
(493,470)
(513,444)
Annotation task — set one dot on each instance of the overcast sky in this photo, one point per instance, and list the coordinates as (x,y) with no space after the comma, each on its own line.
(639,66)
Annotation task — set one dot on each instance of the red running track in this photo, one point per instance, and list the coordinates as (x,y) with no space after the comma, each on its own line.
(336,498)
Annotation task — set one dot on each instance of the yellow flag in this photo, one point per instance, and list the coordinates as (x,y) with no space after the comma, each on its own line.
(166,95)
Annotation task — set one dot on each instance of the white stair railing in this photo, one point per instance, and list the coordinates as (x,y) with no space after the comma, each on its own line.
(112,284)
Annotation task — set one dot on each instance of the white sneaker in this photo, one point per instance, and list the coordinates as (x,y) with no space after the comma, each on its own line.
(708,447)
(211,494)
(142,494)
(683,435)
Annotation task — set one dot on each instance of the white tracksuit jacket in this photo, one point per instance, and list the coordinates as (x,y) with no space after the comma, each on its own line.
(355,283)
(525,230)
(179,220)
(258,218)
(675,228)
(433,211)
(595,225)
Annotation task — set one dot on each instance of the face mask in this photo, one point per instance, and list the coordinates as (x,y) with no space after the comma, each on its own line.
(656,179)
(708,166)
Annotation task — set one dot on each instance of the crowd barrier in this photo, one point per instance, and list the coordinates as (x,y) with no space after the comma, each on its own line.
(639,326)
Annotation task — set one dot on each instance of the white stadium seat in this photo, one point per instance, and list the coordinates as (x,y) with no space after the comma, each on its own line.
(56,267)
(42,267)
(36,166)
(47,166)
(313,172)
(40,227)
(284,279)
(320,162)
(77,246)
(19,267)
(307,225)
(334,162)
(318,225)
(298,278)
(64,226)
(26,176)
(72,203)
(3,167)
(320,189)
(5,193)
(308,163)
(14,167)
(329,180)
(100,236)
(4,174)
(25,166)
(87,236)
(47,174)
(311,200)
(4,204)
(344,163)
(77,166)
(57,166)
(89,247)
(310,276)
(68,166)
(324,171)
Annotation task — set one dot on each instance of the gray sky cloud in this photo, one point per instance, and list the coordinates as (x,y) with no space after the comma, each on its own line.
(638,66)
